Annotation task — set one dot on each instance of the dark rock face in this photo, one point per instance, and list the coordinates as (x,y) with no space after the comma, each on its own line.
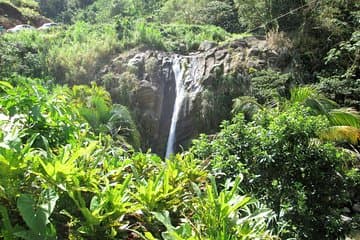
(10,16)
(212,78)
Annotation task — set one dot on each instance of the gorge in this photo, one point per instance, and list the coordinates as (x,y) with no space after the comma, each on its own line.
(175,96)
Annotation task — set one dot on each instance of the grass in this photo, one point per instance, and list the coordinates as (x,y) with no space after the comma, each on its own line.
(175,37)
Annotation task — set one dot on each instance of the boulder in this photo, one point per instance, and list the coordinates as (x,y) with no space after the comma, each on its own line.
(207,45)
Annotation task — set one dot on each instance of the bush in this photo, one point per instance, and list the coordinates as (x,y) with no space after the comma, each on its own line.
(219,14)
(82,51)
(171,37)
(148,35)
(185,38)
(269,85)
(183,11)
(302,179)
(23,53)
(84,181)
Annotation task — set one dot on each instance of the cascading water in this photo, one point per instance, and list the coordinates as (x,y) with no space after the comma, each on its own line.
(179,98)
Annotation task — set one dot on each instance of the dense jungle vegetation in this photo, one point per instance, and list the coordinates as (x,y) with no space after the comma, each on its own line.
(285,166)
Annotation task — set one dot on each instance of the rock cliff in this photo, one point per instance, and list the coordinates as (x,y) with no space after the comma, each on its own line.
(144,81)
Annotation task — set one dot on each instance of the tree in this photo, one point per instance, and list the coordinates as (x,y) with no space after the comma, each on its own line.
(301,179)
(53,8)
(219,14)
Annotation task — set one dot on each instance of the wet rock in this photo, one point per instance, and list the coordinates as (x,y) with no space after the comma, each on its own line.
(240,43)
(254,52)
(152,99)
(207,45)
(220,54)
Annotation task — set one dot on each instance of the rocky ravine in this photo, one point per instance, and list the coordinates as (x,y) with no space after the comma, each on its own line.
(212,77)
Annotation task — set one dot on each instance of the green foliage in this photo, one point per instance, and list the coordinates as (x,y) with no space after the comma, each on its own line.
(283,164)
(32,106)
(170,37)
(253,14)
(326,46)
(148,35)
(220,215)
(345,123)
(71,56)
(28,8)
(184,11)
(246,105)
(219,14)
(82,51)
(227,215)
(106,11)
(36,216)
(62,10)
(207,12)
(21,53)
(94,105)
(180,37)
(268,85)
(285,15)
(74,143)
(92,186)
(120,86)
(24,3)
(52,8)
(343,85)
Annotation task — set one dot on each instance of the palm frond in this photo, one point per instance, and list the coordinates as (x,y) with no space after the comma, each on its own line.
(309,97)
(90,116)
(122,123)
(101,107)
(345,117)
(328,103)
(301,94)
(316,106)
(342,134)
(247,105)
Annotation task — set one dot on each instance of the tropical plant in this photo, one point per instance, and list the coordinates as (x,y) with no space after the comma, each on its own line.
(227,215)
(81,51)
(284,165)
(36,215)
(247,105)
(345,122)
(184,11)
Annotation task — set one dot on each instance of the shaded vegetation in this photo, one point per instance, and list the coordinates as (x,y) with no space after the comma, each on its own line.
(285,166)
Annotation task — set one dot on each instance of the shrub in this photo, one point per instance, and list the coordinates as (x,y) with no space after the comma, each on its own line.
(185,38)
(183,11)
(23,53)
(81,53)
(268,85)
(219,14)
(98,190)
(148,35)
(120,86)
(302,179)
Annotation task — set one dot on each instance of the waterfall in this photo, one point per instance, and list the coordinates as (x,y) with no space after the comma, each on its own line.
(179,98)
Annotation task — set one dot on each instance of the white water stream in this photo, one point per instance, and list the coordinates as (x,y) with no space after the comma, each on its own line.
(179,98)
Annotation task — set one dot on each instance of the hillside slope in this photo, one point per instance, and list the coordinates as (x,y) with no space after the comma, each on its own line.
(12,15)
